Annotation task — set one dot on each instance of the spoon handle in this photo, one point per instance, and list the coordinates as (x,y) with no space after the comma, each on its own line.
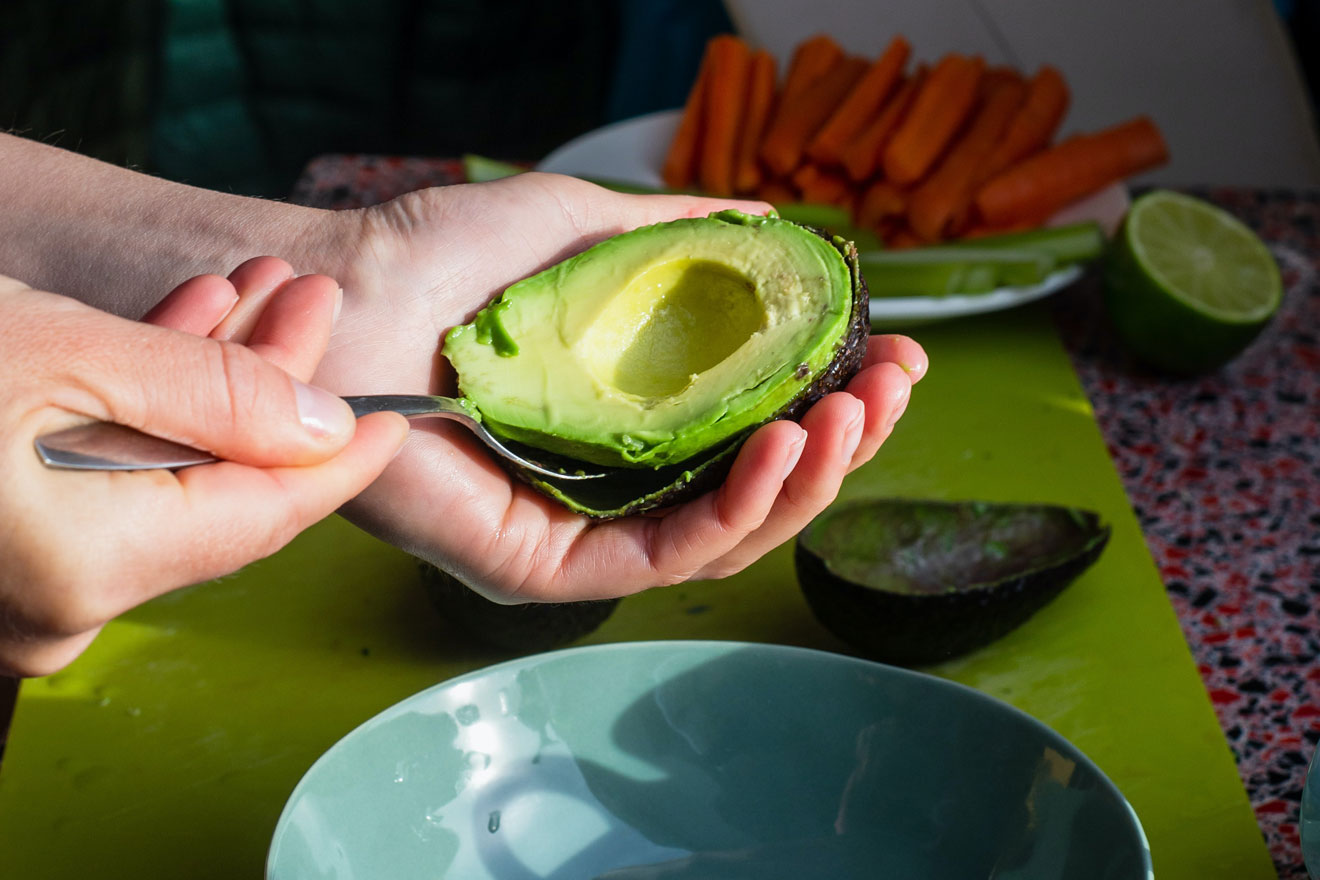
(105,446)
(409,405)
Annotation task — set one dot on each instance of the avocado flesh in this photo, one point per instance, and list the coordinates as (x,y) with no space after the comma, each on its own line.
(661,343)
(918,582)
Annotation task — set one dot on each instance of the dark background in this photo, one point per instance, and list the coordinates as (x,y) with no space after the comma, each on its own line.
(237,95)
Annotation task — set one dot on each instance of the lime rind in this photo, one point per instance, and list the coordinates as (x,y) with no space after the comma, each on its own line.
(1203,257)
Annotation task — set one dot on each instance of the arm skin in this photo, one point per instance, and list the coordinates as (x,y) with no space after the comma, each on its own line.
(410,269)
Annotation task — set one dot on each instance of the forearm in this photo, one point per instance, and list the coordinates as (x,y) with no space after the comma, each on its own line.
(119,239)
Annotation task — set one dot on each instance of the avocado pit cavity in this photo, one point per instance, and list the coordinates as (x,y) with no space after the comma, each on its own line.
(669,325)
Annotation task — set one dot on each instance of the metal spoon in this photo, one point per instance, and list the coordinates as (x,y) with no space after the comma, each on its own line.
(105,446)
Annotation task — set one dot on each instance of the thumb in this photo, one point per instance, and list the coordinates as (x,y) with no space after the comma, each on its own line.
(214,395)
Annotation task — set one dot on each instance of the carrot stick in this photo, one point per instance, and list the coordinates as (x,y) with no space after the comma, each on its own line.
(680,161)
(1033,126)
(760,96)
(861,158)
(811,59)
(902,239)
(971,233)
(996,76)
(802,116)
(821,186)
(730,64)
(1036,187)
(861,105)
(937,113)
(881,205)
(944,194)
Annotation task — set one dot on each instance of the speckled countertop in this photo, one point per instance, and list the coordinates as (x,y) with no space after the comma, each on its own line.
(1223,472)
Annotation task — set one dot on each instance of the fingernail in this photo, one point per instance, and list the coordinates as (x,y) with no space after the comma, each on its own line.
(322,413)
(852,435)
(339,304)
(794,454)
(900,407)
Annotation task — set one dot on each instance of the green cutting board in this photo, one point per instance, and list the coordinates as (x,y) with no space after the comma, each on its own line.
(169,748)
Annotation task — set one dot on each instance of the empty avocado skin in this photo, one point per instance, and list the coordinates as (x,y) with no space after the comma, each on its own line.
(585,365)
(914,583)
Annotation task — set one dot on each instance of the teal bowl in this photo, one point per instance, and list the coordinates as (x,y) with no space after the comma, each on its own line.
(704,760)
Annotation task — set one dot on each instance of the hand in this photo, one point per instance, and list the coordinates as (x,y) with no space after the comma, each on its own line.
(425,262)
(81,547)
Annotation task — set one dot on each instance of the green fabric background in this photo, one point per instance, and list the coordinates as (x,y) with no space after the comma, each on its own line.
(239,94)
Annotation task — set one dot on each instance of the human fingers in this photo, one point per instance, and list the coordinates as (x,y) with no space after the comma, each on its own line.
(213,395)
(895,349)
(884,390)
(196,306)
(256,280)
(168,530)
(834,427)
(248,513)
(634,553)
(294,328)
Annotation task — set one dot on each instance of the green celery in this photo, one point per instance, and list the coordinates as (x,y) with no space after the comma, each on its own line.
(952,269)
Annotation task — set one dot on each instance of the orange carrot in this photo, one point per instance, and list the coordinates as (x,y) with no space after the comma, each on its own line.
(974,232)
(937,113)
(996,76)
(861,105)
(942,196)
(680,162)
(760,96)
(822,186)
(800,117)
(861,158)
(902,239)
(811,59)
(880,205)
(730,63)
(1036,187)
(1033,126)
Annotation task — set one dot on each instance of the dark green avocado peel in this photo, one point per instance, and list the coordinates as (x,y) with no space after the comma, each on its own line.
(528,627)
(914,582)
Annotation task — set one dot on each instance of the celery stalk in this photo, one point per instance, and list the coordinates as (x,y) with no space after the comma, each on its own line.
(1074,243)
(944,270)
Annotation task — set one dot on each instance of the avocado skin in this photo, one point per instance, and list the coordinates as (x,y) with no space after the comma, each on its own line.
(920,630)
(626,491)
(528,627)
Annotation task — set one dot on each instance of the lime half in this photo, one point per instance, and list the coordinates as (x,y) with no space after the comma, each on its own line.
(1187,285)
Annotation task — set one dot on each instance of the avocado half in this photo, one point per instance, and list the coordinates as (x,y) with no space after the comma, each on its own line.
(535,626)
(652,355)
(913,582)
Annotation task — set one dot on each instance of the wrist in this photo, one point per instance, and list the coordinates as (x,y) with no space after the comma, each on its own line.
(119,239)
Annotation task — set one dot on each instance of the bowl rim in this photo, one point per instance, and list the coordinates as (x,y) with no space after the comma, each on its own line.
(717,647)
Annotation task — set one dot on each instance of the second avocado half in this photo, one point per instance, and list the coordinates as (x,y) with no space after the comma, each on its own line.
(653,354)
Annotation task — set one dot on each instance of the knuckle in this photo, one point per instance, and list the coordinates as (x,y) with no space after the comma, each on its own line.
(236,371)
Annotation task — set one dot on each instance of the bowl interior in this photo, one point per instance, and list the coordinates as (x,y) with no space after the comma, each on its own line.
(704,759)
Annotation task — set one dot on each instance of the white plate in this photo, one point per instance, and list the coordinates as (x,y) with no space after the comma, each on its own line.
(633,150)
